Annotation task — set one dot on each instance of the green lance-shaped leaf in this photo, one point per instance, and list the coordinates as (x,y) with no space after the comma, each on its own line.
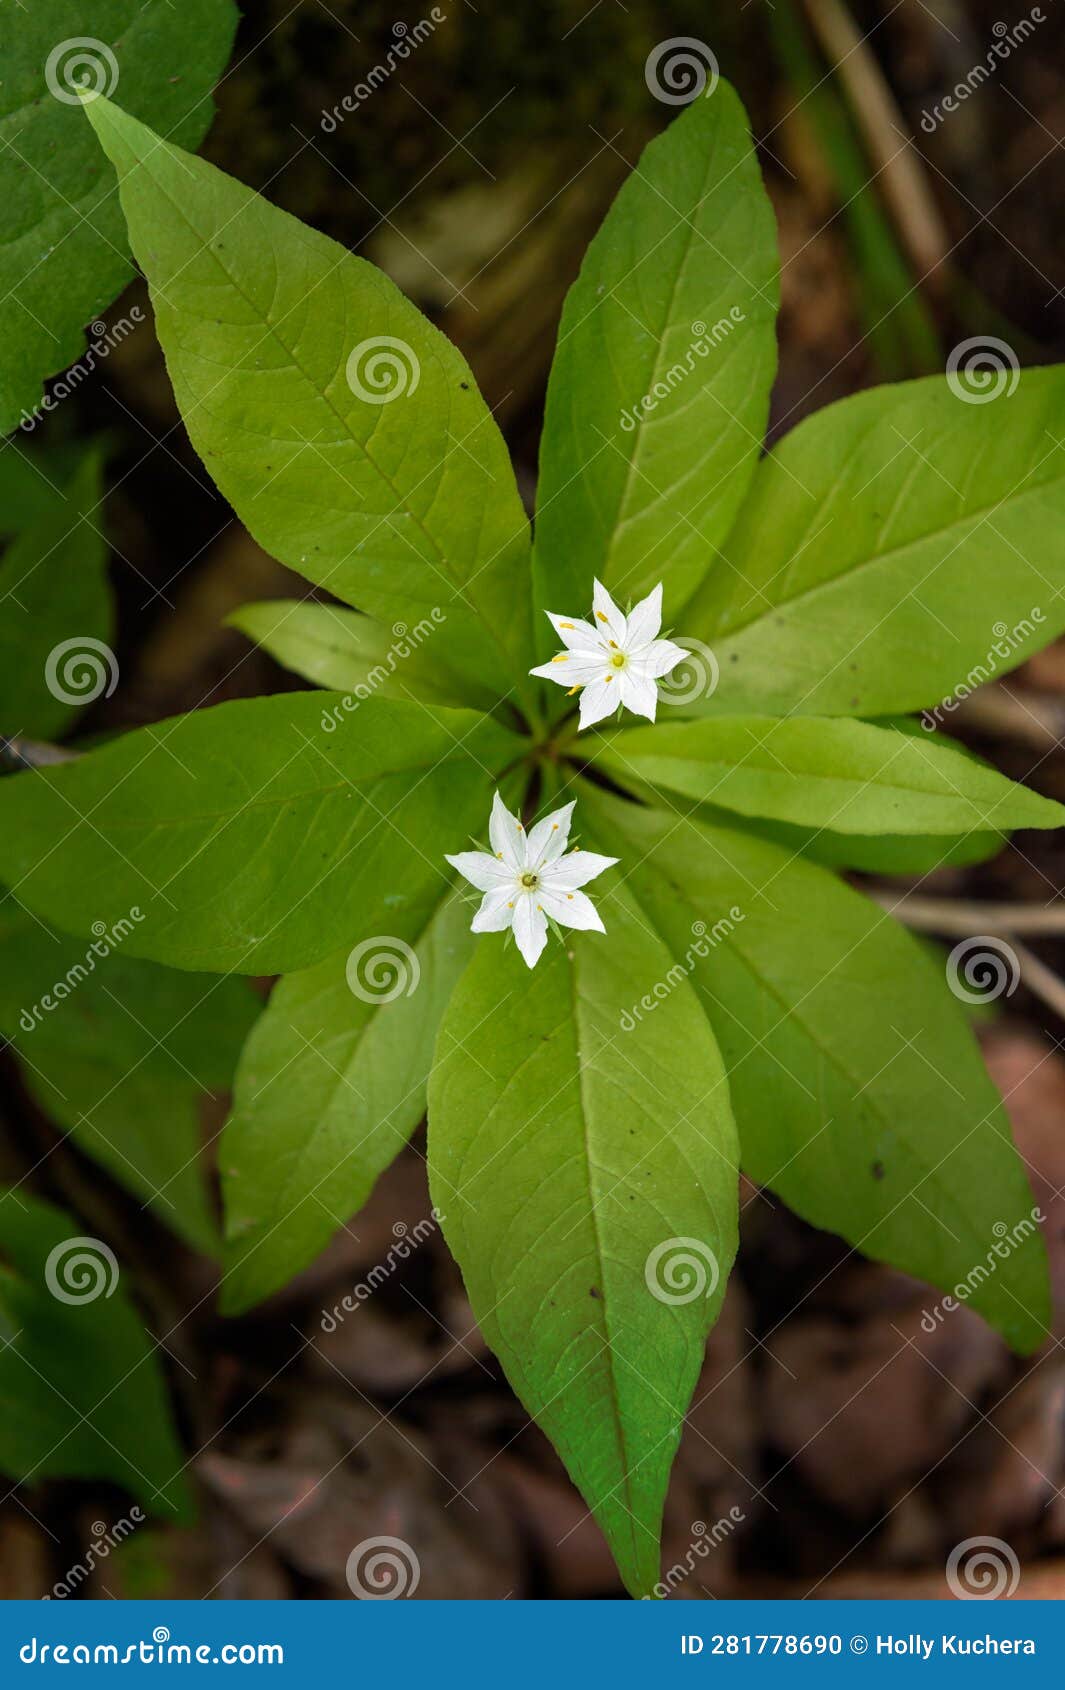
(81,1392)
(56,616)
(346,431)
(64,255)
(255,836)
(119,1052)
(659,391)
(872,853)
(350,652)
(895,548)
(331,1085)
(851,777)
(860,1094)
(588,1186)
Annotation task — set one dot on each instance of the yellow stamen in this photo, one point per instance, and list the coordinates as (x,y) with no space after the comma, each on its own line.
(565,624)
(563,657)
(602,617)
(614,643)
(577,688)
(608,679)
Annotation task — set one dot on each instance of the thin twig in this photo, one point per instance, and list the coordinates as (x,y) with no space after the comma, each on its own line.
(1033,718)
(887,135)
(1040,979)
(19,753)
(958,917)
(1000,922)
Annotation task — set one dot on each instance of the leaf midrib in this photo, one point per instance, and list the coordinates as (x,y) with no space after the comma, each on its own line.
(806,777)
(402,503)
(791,1012)
(629,1503)
(340,1082)
(854,569)
(144,824)
(624,492)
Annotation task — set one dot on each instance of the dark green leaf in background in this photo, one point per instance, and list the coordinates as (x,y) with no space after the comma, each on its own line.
(118,1052)
(64,251)
(81,1391)
(56,618)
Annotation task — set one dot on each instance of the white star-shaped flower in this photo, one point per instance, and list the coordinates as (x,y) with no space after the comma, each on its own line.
(616,660)
(529,879)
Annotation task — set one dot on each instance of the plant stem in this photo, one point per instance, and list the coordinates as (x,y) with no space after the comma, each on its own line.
(957,917)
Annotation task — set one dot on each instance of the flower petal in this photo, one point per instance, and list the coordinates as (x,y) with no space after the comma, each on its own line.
(608,616)
(638,692)
(485,872)
(547,840)
(575,633)
(530,928)
(599,699)
(556,672)
(572,909)
(496,912)
(573,871)
(645,620)
(507,836)
(574,668)
(660,657)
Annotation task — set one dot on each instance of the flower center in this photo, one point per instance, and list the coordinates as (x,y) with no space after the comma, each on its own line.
(619,660)
(529,881)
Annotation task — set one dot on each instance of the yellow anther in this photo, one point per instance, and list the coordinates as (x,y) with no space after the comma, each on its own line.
(602,617)
(577,688)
